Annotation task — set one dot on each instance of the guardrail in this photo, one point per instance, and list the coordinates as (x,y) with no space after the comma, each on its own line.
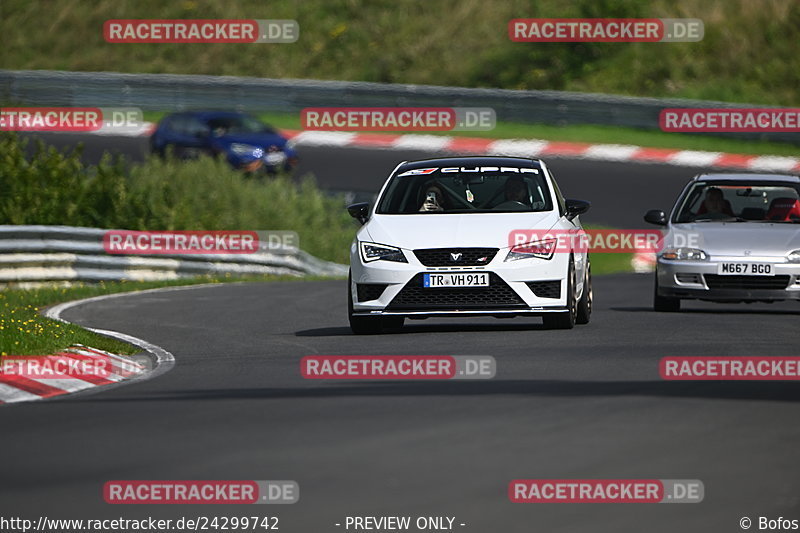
(169,92)
(66,253)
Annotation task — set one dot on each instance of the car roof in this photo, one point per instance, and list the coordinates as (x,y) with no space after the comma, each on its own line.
(472,161)
(747,177)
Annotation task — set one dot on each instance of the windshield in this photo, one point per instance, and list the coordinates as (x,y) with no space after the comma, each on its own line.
(237,124)
(741,202)
(452,191)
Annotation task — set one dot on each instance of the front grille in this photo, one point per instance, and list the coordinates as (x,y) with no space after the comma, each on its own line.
(715,281)
(545,289)
(435,257)
(498,295)
(369,291)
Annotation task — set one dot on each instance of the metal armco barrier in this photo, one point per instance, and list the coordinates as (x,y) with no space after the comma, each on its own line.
(169,92)
(65,253)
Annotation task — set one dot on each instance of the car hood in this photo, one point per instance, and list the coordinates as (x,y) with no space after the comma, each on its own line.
(262,140)
(430,230)
(734,238)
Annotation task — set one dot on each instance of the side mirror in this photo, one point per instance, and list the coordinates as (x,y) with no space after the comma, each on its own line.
(576,207)
(359,211)
(656,216)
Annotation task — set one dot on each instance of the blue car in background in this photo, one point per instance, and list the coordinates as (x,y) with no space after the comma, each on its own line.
(247,143)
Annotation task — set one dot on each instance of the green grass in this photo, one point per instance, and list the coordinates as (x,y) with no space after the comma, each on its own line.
(608,263)
(24,331)
(581,134)
(748,54)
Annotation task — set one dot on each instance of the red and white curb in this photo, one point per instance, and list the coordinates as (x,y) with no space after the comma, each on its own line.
(158,360)
(520,148)
(542,148)
(49,382)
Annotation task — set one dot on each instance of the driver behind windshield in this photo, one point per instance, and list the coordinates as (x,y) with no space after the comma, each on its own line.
(515,190)
(515,195)
(433,200)
(715,203)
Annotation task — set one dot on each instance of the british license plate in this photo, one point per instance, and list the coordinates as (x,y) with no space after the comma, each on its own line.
(461,279)
(746,269)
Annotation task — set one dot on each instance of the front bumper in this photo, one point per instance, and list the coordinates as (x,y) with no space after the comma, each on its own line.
(397,288)
(496,313)
(699,280)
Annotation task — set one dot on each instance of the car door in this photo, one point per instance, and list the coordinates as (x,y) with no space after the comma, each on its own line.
(190,137)
(581,256)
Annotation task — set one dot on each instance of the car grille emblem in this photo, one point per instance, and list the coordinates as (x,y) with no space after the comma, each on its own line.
(456,256)
(482,259)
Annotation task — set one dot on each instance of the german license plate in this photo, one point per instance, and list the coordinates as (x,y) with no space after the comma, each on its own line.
(461,279)
(746,269)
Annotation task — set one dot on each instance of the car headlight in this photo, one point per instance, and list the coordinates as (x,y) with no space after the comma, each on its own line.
(247,149)
(794,257)
(684,254)
(538,249)
(371,251)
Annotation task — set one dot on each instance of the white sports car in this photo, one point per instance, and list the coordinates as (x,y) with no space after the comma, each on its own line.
(446,238)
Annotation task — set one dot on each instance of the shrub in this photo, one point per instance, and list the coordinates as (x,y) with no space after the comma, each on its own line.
(41,185)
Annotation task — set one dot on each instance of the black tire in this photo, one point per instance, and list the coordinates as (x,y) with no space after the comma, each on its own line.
(565,320)
(155,150)
(362,325)
(585,303)
(664,304)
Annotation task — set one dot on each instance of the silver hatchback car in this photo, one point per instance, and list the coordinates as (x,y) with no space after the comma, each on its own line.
(730,238)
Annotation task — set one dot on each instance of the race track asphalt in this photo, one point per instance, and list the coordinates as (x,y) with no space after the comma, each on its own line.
(580,404)
(586,403)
